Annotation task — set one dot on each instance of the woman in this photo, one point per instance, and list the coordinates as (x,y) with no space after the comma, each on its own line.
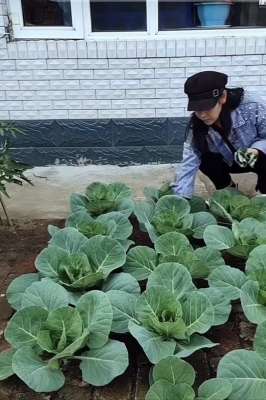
(223,124)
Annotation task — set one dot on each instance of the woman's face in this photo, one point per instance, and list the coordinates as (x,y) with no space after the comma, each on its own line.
(209,117)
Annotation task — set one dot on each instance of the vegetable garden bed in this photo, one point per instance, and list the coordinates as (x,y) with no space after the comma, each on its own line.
(18,252)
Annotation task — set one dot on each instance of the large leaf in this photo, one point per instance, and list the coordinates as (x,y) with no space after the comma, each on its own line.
(97,315)
(49,260)
(196,342)
(228,281)
(253,309)
(215,389)
(246,371)
(46,294)
(205,260)
(163,390)
(140,262)
(256,264)
(260,340)
(177,204)
(36,373)
(200,221)
(219,237)
(144,211)
(121,281)
(89,226)
(69,239)
(123,228)
(78,202)
(174,277)
(6,369)
(198,313)
(24,326)
(123,305)
(17,288)
(174,370)
(221,305)
(100,366)
(172,243)
(155,347)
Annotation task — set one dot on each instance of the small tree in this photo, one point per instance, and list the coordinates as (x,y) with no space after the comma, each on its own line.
(11,171)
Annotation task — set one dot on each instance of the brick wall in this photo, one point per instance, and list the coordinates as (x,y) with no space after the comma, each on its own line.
(67,79)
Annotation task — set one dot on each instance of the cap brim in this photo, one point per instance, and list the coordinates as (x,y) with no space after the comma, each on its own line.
(201,105)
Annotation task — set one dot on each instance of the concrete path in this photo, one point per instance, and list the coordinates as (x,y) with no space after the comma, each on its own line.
(49,197)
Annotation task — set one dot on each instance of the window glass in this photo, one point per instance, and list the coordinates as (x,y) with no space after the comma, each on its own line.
(46,12)
(117,16)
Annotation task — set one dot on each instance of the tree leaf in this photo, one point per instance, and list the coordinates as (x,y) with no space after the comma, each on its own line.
(228,281)
(6,364)
(163,390)
(198,313)
(140,262)
(121,281)
(174,370)
(123,305)
(17,288)
(260,340)
(196,342)
(219,237)
(200,221)
(172,243)
(253,310)
(123,226)
(215,389)
(221,305)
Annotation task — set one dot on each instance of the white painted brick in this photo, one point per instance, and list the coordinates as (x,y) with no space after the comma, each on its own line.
(185,62)
(2,22)
(22,49)
(3,43)
(141,48)
(47,74)
(61,49)
(112,114)
(124,84)
(169,73)
(141,73)
(110,94)
(34,85)
(170,112)
(230,46)
(250,45)
(234,70)
(16,75)
(78,74)
(37,105)
(82,49)
(131,103)
(154,83)
(28,95)
(180,48)
(210,47)
(31,64)
(240,46)
(108,74)
(95,84)
(51,94)
(248,80)
(4,115)
(62,64)
(263,80)
(42,49)
(140,93)
(67,104)
(80,94)
(72,49)
(190,47)
(11,105)
(155,103)
(215,61)
(12,50)
(264,59)
(247,60)
(83,114)
(53,114)
(260,45)
(192,71)
(32,49)
(161,48)
(13,95)
(96,104)
(17,115)
(151,48)
(256,70)
(3,54)
(200,47)
(137,113)
(101,49)
(154,63)
(93,64)
(121,49)
(170,48)
(111,49)
(65,84)
(52,49)
(178,103)
(9,85)
(7,65)
(177,83)
(91,49)
(131,48)
(2,95)
(169,93)
(220,46)
(123,63)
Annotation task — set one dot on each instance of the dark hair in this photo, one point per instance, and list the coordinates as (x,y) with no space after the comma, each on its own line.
(200,130)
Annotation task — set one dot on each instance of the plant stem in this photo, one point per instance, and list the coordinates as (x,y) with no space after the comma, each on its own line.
(9,223)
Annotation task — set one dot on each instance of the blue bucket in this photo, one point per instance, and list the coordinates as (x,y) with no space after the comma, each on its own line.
(213,14)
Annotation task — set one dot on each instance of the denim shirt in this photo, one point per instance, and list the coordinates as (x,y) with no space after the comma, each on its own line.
(248,130)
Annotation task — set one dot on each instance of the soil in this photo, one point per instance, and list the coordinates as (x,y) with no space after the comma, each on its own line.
(19,247)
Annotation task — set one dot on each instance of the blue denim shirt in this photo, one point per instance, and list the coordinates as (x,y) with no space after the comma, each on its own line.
(248,130)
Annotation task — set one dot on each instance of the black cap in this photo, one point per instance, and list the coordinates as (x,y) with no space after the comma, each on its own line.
(204,89)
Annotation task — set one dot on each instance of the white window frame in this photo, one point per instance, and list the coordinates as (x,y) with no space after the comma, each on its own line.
(47,32)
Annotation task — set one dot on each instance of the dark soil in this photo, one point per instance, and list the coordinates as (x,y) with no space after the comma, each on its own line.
(19,247)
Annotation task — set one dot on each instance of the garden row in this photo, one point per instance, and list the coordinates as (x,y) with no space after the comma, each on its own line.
(95,284)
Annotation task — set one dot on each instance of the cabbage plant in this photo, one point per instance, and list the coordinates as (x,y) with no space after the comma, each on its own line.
(238,241)
(101,198)
(171,214)
(43,341)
